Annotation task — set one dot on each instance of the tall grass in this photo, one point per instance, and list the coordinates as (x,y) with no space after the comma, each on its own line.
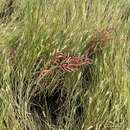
(29,38)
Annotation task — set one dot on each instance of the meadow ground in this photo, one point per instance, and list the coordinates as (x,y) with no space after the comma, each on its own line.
(39,92)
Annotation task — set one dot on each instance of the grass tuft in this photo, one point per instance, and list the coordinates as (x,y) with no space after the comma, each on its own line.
(94,96)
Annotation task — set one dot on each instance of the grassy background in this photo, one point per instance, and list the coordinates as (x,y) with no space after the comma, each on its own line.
(39,28)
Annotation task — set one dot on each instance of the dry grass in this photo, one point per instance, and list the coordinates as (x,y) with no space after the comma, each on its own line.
(92,97)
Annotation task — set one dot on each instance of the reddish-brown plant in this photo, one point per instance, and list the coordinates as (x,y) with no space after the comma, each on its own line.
(65,63)
(70,63)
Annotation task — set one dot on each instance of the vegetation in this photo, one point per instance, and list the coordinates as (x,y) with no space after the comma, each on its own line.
(93,96)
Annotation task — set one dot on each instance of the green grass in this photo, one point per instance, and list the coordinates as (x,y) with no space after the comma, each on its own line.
(38,29)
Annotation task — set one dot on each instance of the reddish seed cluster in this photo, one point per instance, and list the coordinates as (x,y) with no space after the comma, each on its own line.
(70,63)
(66,63)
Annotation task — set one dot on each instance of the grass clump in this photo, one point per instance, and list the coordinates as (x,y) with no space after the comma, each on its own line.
(93,97)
